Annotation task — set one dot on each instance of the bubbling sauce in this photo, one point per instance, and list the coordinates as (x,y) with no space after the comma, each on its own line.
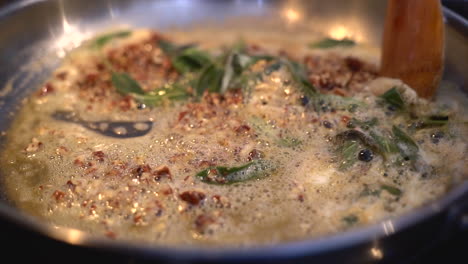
(251,142)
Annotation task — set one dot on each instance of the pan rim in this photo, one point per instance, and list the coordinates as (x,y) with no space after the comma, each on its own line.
(313,246)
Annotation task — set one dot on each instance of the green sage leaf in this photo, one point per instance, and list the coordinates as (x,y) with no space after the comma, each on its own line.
(331,43)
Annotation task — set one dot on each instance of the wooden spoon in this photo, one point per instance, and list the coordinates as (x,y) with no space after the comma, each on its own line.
(413,44)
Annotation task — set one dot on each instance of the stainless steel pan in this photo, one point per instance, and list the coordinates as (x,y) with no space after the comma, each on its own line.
(40,32)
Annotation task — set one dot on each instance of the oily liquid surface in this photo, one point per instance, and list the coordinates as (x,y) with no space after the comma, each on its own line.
(146,189)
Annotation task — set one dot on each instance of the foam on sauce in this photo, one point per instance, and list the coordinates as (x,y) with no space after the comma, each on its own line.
(146,189)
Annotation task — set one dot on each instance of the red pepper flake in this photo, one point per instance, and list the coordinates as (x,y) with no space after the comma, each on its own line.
(111,235)
(300,197)
(345,119)
(255,155)
(162,172)
(216,198)
(176,157)
(125,103)
(90,170)
(182,115)
(46,89)
(255,47)
(99,155)
(92,209)
(71,185)
(167,191)
(58,195)
(61,75)
(283,53)
(206,163)
(91,78)
(80,163)
(113,173)
(34,146)
(340,92)
(202,221)
(138,219)
(220,202)
(139,170)
(159,208)
(192,197)
(100,67)
(242,129)
(62,150)
(354,64)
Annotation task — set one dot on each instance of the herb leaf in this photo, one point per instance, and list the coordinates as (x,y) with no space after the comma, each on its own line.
(331,43)
(350,219)
(363,124)
(175,92)
(392,190)
(172,49)
(318,101)
(431,121)
(190,60)
(104,39)
(299,75)
(374,142)
(408,148)
(289,142)
(236,63)
(228,175)
(404,138)
(370,192)
(185,58)
(348,154)
(393,97)
(210,79)
(268,133)
(124,84)
(355,135)
(385,144)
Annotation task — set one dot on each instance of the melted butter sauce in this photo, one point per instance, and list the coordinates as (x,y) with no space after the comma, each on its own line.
(70,176)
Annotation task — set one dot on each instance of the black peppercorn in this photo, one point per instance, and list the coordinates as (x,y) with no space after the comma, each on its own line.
(365,155)
(437,136)
(327,124)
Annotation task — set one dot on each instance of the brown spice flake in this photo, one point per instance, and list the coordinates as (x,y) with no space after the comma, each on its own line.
(58,195)
(242,129)
(111,235)
(300,198)
(34,146)
(71,185)
(192,197)
(162,172)
(139,170)
(46,89)
(167,191)
(203,221)
(353,64)
(99,156)
(62,75)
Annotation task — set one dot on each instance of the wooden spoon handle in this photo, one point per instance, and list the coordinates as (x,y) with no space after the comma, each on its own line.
(413,44)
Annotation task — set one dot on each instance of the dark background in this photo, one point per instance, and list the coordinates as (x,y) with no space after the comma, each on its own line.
(454,250)
(460,6)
